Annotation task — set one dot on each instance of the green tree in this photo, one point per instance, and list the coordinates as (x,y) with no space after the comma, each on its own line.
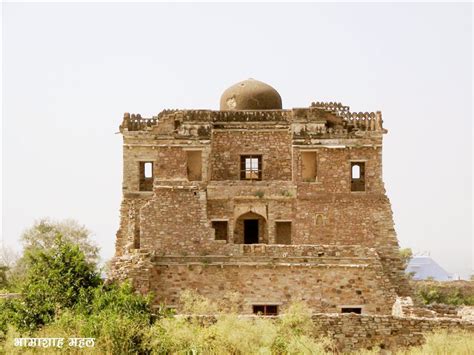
(57,278)
(8,260)
(42,235)
(3,277)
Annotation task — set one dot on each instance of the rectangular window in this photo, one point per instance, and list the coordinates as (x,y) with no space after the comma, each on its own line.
(308,166)
(357,176)
(146,176)
(265,310)
(220,228)
(250,167)
(357,310)
(194,165)
(283,232)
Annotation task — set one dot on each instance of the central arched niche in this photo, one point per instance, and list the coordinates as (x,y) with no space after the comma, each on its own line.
(250,228)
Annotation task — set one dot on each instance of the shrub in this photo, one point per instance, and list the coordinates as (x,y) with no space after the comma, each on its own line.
(228,333)
(445,342)
(435,292)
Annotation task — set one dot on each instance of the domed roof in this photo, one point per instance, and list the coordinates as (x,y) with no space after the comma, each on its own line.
(251,94)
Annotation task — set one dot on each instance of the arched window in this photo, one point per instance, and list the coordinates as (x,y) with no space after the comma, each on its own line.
(355,171)
(357,176)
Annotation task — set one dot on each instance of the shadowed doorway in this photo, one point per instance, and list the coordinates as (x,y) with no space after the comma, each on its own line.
(250,228)
(251,231)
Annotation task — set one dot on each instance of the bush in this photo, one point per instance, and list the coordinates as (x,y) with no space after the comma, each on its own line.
(112,314)
(445,342)
(292,333)
(452,293)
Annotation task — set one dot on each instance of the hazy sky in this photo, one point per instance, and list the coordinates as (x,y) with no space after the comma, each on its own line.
(70,71)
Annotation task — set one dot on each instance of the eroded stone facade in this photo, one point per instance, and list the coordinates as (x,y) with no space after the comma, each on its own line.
(266,203)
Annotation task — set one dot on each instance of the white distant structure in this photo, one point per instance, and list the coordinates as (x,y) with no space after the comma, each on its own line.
(424,267)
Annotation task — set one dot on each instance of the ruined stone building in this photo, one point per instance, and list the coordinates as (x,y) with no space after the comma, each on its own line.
(276,204)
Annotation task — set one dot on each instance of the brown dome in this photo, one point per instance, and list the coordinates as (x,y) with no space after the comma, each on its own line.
(251,95)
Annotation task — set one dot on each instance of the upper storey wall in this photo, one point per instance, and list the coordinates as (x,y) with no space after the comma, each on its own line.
(274,146)
(333,169)
(278,137)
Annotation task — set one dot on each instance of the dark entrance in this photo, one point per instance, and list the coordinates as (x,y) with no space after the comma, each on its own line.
(251,231)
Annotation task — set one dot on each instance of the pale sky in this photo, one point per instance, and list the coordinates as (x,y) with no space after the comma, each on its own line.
(70,71)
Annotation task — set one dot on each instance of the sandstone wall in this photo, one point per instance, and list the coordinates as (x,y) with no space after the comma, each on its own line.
(333,170)
(273,145)
(324,288)
(352,332)
(128,235)
(175,220)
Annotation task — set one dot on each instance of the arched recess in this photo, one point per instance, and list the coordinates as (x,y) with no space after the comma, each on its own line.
(250,228)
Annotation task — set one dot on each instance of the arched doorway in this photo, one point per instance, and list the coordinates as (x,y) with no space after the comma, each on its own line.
(250,228)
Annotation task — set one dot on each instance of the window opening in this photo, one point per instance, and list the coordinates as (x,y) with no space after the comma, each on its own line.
(220,228)
(357,176)
(265,310)
(146,176)
(251,167)
(357,310)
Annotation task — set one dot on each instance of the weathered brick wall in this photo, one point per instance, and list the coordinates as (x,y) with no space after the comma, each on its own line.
(128,235)
(175,220)
(326,277)
(274,146)
(132,155)
(362,219)
(353,332)
(333,170)
(325,288)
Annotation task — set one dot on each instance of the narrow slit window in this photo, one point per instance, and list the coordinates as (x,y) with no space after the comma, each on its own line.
(251,167)
(146,176)
(357,176)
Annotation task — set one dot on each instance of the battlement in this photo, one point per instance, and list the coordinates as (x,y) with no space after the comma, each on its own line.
(369,121)
(135,122)
(338,115)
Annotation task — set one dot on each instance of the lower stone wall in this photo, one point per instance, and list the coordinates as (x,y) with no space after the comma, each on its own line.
(325,288)
(351,332)
(326,284)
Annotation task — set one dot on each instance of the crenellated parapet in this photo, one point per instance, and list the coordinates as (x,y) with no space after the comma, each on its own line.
(135,122)
(320,119)
(366,121)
